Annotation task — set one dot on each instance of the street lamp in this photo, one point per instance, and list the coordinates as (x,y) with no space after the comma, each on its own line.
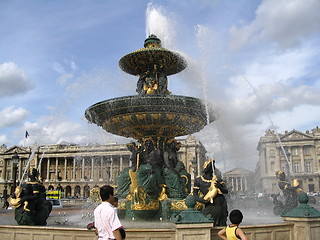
(15,161)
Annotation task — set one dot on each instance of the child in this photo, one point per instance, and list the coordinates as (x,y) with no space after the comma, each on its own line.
(233,232)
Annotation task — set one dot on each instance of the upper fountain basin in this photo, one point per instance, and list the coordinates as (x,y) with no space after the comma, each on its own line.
(144,59)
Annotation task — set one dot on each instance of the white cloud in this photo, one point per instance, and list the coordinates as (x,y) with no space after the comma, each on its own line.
(13,80)
(284,22)
(64,76)
(52,130)
(10,116)
(3,139)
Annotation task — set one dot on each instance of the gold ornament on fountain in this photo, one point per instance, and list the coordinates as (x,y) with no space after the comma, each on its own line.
(295,183)
(163,195)
(213,190)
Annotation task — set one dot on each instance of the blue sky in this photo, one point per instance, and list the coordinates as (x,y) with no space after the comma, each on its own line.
(257,62)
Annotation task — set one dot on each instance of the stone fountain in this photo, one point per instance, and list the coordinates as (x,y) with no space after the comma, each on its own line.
(157,183)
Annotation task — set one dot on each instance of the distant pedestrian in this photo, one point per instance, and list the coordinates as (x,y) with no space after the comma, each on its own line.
(106,219)
(233,231)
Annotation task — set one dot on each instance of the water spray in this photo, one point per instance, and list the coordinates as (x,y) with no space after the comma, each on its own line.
(33,151)
(273,125)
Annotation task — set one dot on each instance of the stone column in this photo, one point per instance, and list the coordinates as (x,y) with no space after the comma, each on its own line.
(74,170)
(316,169)
(5,166)
(245,184)
(302,170)
(65,169)
(232,184)
(236,184)
(48,169)
(277,161)
(92,169)
(19,170)
(199,167)
(101,169)
(56,169)
(111,170)
(82,169)
(121,163)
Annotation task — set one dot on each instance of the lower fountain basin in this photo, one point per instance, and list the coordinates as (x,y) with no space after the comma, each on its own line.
(151,115)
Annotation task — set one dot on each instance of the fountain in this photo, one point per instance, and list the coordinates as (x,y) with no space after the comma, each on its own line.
(156,184)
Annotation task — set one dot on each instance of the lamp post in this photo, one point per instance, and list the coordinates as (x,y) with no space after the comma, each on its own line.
(15,161)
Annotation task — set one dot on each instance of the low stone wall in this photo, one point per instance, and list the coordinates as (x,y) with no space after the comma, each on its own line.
(282,231)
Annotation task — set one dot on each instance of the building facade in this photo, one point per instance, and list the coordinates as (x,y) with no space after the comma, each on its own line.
(75,169)
(239,181)
(296,153)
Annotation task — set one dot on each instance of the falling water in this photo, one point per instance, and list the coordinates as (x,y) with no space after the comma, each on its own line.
(205,42)
(273,125)
(33,151)
(42,155)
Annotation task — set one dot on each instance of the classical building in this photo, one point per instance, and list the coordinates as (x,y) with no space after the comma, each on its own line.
(75,169)
(296,153)
(239,181)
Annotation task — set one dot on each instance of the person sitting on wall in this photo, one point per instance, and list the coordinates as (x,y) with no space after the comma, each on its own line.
(208,190)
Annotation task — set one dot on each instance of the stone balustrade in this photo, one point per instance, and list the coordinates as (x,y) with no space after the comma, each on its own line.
(293,229)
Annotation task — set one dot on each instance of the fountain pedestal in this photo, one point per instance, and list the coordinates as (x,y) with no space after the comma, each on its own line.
(306,219)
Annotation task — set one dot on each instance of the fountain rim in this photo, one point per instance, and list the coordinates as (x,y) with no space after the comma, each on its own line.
(146,96)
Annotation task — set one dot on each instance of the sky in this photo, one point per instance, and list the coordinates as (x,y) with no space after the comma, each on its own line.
(256,62)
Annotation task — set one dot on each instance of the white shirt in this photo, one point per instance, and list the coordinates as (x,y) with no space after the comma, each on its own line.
(106,220)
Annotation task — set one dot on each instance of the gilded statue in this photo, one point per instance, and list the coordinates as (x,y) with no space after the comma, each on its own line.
(209,189)
(290,194)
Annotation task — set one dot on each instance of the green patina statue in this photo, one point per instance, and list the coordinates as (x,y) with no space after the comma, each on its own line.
(29,201)
(156,170)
